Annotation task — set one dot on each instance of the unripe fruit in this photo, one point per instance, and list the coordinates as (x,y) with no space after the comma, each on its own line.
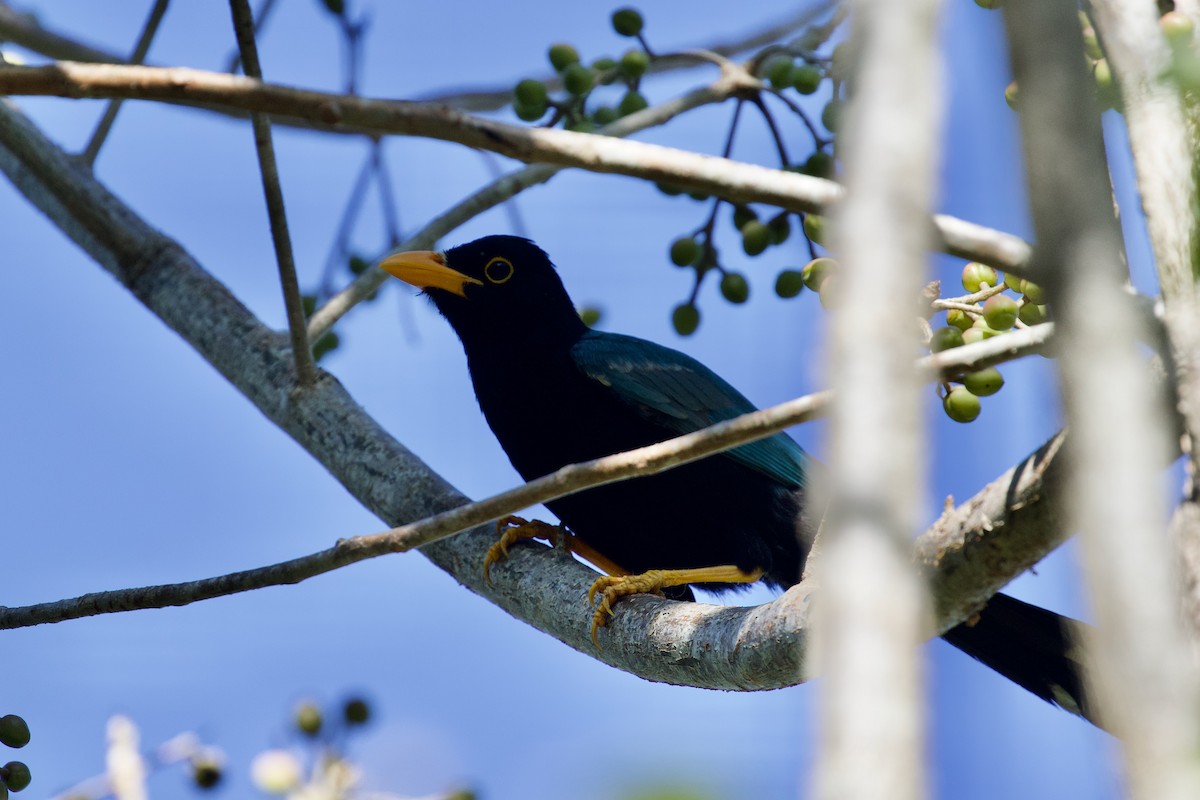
(605,115)
(984,382)
(1033,292)
(14,731)
(945,339)
(1176,27)
(959,319)
(562,55)
(1010,95)
(308,719)
(685,251)
(742,215)
(831,115)
(975,275)
(631,102)
(529,113)
(356,711)
(1106,91)
(816,271)
(755,237)
(1032,313)
(1000,312)
(634,64)
(577,79)
(735,287)
(839,62)
(16,775)
(985,331)
(530,92)
(604,64)
(789,283)
(778,71)
(781,229)
(1015,284)
(590,316)
(206,773)
(668,189)
(989,4)
(973,335)
(814,228)
(685,318)
(960,405)
(820,165)
(805,78)
(627,21)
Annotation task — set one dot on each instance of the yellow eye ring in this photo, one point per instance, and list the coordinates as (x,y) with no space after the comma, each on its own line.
(498,270)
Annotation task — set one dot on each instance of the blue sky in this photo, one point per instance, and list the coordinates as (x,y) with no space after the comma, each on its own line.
(128,461)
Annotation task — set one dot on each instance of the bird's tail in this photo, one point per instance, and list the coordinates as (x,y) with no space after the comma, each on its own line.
(1034,648)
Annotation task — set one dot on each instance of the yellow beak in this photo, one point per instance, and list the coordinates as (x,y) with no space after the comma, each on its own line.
(426,269)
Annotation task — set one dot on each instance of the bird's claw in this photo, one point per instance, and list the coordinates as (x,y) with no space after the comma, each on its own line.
(612,588)
(513,529)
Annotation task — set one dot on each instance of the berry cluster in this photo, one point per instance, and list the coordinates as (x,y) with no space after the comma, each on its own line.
(985,311)
(576,109)
(14,776)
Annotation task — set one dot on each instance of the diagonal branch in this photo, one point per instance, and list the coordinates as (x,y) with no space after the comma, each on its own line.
(680,643)
(732,180)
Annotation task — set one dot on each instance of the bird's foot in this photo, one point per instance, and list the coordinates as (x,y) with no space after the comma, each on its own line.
(513,529)
(612,588)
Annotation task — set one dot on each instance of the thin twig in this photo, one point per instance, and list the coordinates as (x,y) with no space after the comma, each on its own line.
(139,55)
(306,369)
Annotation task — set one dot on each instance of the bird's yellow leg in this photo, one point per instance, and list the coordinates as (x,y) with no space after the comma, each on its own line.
(513,529)
(613,587)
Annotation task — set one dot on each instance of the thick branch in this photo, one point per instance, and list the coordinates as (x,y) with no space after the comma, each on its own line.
(681,643)
(735,181)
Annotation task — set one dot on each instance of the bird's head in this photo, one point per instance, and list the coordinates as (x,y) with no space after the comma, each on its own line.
(491,287)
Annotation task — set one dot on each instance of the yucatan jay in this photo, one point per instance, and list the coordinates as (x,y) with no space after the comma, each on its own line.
(555,393)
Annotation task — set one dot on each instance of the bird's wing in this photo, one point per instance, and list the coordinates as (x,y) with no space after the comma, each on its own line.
(682,395)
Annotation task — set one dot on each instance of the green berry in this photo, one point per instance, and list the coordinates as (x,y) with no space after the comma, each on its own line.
(685,318)
(326,345)
(668,189)
(1010,95)
(562,55)
(14,731)
(1000,312)
(627,21)
(356,711)
(989,4)
(777,69)
(530,93)
(839,66)
(581,125)
(634,64)
(960,405)
(984,382)
(816,271)
(685,251)
(1177,28)
(781,229)
(699,196)
(577,79)
(206,772)
(1091,43)
(1106,91)
(945,339)
(789,283)
(1015,284)
(604,64)
(605,115)
(985,330)
(529,113)
(735,287)
(831,115)
(820,165)
(814,228)
(973,335)
(742,215)
(805,78)
(308,719)
(755,237)
(959,319)
(631,102)
(1032,313)
(308,303)
(975,275)
(16,775)
(1033,292)
(590,316)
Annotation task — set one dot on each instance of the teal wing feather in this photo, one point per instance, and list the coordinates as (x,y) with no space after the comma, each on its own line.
(682,395)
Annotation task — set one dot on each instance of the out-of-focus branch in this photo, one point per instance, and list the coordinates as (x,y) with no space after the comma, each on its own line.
(1147,689)
(873,609)
(25,31)
(1163,145)
(735,181)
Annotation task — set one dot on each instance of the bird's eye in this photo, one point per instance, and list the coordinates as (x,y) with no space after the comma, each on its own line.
(498,270)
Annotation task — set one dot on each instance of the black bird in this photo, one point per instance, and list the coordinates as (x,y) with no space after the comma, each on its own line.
(555,393)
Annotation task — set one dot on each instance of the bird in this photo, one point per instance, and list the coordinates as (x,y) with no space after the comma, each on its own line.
(556,392)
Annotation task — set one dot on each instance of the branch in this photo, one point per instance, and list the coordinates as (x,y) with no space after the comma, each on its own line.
(1142,665)
(681,643)
(735,181)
